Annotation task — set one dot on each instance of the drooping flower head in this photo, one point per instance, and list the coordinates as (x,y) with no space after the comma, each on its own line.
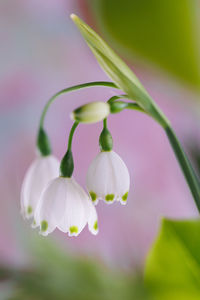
(108,177)
(66,206)
(63,203)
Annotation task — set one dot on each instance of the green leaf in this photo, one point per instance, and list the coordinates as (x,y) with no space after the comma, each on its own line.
(119,72)
(173,264)
(163,32)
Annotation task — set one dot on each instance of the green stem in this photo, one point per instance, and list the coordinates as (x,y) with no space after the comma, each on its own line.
(185,165)
(105,123)
(71,89)
(118,106)
(67,162)
(113,98)
(71,135)
(135,106)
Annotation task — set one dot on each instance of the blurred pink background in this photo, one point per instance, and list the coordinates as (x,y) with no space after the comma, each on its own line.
(41,53)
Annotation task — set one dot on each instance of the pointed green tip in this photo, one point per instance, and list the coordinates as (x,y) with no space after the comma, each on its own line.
(44,225)
(29,210)
(95,225)
(78,22)
(73,229)
(74,17)
(93,196)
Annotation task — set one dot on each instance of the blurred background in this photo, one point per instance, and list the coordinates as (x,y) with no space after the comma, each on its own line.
(43,52)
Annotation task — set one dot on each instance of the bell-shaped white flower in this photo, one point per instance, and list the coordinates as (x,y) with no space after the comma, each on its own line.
(41,171)
(66,206)
(108,178)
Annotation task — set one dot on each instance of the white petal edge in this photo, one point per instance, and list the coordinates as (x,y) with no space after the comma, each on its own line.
(41,171)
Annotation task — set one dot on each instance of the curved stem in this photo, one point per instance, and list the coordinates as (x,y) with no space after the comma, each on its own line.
(129,105)
(135,106)
(113,98)
(67,162)
(71,135)
(74,88)
(188,171)
(186,167)
(105,123)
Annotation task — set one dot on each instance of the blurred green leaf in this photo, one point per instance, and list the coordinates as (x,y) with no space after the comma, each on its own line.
(55,274)
(173,265)
(163,32)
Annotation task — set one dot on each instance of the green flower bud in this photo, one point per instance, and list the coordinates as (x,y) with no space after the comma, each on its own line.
(91,113)
(105,140)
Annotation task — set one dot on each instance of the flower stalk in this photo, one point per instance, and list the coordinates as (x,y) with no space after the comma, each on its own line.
(105,139)
(67,163)
(43,143)
(71,89)
(116,107)
(186,167)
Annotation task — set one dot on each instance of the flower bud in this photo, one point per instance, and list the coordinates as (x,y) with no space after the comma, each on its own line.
(91,113)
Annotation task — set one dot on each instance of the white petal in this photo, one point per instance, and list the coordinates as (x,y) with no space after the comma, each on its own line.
(75,218)
(41,171)
(122,177)
(108,177)
(92,219)
(51,206)
(65,205)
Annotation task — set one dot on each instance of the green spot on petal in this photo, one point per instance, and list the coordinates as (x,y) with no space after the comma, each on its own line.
(34,223)
(29,210)
(125,196)
(95,226)
(44,225)
(110,197)
(93,196)
(73,229)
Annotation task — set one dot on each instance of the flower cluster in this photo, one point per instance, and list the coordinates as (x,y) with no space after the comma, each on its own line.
(53,198)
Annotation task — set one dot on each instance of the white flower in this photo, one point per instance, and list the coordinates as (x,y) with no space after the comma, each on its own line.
(108,178)
(41,171)
(65,205)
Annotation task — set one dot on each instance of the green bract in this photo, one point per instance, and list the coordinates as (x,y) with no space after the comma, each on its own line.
(43,143)
(119,72)
(105,140)
(67,165)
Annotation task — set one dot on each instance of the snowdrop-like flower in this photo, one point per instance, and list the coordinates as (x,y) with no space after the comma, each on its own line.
(66,206)
(41,171)
(108,178)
